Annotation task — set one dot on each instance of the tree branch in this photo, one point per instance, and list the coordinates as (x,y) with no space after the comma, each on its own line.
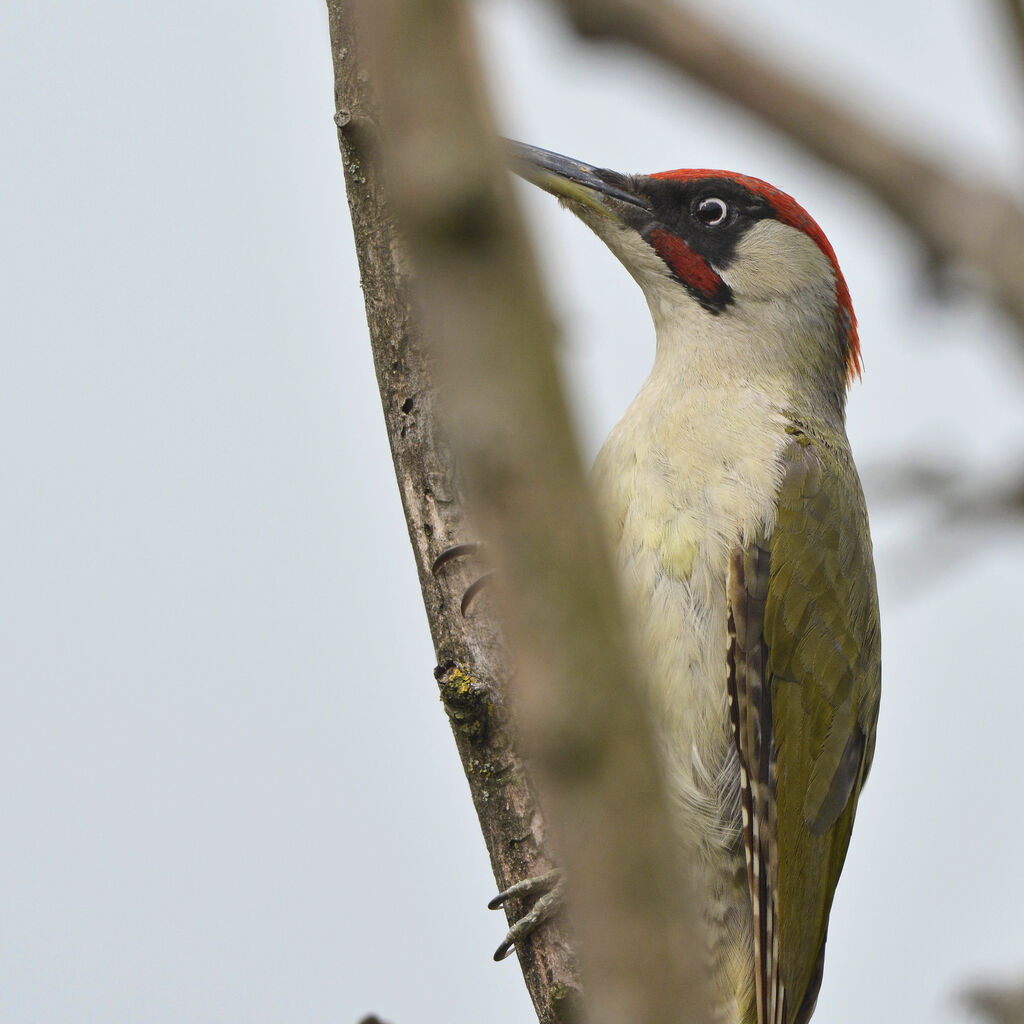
(1013,11)
(471,665)
(966,222)
(998,1004)
(578,693)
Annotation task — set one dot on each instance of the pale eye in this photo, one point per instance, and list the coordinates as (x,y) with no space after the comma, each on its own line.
(712,211)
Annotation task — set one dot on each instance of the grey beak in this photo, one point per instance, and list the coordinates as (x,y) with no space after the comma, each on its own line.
(571,179)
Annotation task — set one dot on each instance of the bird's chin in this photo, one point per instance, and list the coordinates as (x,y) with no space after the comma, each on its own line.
(590,207)
(626,243)
(604,218)
(588,211)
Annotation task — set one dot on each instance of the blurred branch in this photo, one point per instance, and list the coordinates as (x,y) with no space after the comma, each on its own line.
(578,692)
(1015,15)
(955,509)
(471,665)
(998,1005)
(579,696)
(951,491)
(968,222)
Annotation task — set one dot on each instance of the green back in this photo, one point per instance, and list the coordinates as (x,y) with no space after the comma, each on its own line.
(821,631)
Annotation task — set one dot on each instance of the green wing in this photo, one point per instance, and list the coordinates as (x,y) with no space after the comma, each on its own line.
(804,656)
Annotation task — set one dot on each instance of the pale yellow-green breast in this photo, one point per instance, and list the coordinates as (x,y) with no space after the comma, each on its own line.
(683,479)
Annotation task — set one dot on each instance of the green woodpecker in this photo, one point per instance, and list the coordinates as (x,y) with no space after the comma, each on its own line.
(738,517)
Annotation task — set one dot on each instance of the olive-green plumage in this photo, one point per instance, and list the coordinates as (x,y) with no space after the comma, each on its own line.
(741,533)
(819,630)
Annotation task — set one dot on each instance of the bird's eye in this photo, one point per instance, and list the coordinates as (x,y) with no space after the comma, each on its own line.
(711,211)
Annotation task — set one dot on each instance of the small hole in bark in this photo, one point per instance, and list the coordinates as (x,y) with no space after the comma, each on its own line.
(407,405)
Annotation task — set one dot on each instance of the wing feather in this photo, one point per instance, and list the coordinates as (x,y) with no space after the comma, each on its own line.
(804,681)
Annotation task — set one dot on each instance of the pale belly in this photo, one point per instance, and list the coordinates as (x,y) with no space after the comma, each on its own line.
(684,629)
(678,492)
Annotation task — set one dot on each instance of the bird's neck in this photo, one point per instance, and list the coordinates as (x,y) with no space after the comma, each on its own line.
(757,350)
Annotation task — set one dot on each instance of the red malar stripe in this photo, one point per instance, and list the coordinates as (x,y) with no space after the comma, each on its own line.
(693,270)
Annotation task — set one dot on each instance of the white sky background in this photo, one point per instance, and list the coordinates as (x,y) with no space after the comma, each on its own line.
(227,788)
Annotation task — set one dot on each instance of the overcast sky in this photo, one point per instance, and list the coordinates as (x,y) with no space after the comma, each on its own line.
(227,788)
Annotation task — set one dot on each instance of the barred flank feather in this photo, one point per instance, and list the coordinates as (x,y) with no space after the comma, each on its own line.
(751,715)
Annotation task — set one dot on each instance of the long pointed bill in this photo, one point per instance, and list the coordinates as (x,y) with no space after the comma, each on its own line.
(601,190)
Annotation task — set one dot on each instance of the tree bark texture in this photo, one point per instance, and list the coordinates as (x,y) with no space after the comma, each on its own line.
(578,693)
(470,661)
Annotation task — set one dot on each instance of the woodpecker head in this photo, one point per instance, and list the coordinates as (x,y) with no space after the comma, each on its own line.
(736,273)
